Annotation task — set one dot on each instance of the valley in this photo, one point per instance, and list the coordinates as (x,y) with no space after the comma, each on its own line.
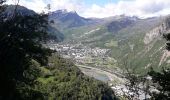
(63,53)
(136,42)
(112,44)
(109,48)
(96,63)
(85,55)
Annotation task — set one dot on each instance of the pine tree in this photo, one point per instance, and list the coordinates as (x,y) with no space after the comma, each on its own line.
(21,38)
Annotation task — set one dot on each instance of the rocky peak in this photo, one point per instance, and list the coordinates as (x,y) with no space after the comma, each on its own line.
(63,13)
(68,19)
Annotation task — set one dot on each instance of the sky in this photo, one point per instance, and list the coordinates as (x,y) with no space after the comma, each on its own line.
(102,8)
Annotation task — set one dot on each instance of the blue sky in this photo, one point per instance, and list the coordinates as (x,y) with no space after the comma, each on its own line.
(100,2)
(103,8)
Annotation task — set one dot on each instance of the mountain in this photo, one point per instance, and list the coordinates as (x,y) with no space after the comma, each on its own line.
(65,19)
(106,27)
(121,22)
(129,39)
(21,10)
(54,33)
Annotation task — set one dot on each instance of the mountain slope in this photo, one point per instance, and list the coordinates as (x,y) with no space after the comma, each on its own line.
(130,39)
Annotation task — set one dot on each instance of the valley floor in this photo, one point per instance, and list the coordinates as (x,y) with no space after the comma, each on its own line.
(96,63)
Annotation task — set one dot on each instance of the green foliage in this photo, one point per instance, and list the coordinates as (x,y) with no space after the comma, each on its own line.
(62,80)
(20,43)
(162,84)
(111,43)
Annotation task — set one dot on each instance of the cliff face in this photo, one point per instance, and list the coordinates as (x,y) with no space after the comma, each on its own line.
(153,34)
(158,32)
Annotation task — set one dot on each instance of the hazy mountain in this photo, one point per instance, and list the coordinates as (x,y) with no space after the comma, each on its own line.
(21,10)
(121,22)
(54,35)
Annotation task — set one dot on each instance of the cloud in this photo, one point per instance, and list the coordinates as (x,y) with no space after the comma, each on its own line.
(141,8)
(36,5)
(70,5)
(39,5)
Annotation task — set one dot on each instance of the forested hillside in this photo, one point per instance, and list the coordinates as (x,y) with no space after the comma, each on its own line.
(61,79)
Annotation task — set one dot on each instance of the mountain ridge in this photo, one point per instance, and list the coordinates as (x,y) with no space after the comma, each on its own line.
(68,19)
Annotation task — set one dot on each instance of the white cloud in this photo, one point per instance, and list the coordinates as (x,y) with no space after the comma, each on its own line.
(141,8)
(36,5)
(39,5)
(66,4)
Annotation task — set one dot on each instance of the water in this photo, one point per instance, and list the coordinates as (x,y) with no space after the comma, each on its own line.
(96,74)
(103,78)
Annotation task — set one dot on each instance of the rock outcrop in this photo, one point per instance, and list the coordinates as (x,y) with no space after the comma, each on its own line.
(158,32)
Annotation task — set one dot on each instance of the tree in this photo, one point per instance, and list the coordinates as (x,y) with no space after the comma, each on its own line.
(21,38)
(162,84)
